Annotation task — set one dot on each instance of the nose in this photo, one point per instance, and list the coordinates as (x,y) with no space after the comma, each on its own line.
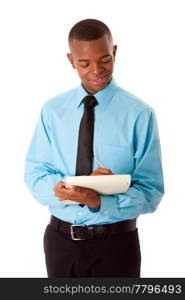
(97,68)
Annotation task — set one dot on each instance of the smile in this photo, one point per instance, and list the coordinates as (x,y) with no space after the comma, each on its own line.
(99,80)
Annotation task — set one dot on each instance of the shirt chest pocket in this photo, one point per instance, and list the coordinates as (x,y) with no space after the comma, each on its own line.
(117,158)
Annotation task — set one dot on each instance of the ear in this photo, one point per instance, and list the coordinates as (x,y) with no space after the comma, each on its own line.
(70,57)
(114,51)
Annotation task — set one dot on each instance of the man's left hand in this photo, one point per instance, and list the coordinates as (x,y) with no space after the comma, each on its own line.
(76,193)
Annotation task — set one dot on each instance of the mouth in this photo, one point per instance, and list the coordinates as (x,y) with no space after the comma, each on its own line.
(99,80)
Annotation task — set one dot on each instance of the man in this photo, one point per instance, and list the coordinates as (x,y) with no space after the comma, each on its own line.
(97,236)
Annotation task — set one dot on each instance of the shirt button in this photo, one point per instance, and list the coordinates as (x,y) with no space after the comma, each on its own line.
(80,213)
(105,212)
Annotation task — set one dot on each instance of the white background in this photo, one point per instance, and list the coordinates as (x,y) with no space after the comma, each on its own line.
(33,68)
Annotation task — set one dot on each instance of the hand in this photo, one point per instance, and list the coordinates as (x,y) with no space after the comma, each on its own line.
(76,193)
(101,171)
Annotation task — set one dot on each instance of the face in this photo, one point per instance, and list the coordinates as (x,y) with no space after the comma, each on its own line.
(94,62)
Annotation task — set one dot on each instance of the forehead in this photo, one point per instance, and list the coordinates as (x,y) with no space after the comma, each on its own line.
(88,49)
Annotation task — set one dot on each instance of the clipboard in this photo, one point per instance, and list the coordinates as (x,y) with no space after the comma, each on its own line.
(102,184)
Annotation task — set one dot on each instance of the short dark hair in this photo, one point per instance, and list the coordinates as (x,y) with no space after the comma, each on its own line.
(89,30)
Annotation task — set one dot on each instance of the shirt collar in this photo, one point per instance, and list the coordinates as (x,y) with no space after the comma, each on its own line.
(103,97)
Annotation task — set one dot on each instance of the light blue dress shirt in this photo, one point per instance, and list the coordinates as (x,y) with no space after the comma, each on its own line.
(126,141)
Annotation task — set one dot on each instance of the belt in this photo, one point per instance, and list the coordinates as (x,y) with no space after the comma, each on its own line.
(84,232)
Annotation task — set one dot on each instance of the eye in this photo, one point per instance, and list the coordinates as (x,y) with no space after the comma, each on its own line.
(107,60)
(84,65)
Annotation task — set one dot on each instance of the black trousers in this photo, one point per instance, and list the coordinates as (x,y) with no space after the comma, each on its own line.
(116,256)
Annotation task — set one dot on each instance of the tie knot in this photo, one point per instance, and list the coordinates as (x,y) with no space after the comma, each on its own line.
(90,101)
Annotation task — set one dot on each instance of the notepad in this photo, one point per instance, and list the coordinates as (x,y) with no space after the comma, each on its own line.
(102,184)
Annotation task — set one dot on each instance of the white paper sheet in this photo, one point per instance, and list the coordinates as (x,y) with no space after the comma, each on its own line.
(102,184)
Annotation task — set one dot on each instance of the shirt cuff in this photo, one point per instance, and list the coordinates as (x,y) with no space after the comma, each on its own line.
(108,205)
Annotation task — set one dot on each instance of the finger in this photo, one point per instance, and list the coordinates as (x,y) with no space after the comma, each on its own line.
(59,186)
(76,188)
(102,171)
(65,193)
(60,194)
(110,172)
(107,172)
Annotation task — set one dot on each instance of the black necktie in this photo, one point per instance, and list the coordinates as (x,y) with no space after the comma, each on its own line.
(85,138)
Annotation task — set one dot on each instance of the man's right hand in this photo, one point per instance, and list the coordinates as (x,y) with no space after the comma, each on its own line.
(101,171)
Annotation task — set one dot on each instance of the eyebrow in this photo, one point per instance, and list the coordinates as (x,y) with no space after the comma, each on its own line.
(81,60)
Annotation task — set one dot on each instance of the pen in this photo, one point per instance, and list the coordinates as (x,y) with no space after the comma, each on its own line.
(98,162)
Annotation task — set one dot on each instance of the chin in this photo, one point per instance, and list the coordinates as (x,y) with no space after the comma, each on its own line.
(94,88)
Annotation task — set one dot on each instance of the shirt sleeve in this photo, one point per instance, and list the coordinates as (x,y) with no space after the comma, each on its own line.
(147,186)
(40,175)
